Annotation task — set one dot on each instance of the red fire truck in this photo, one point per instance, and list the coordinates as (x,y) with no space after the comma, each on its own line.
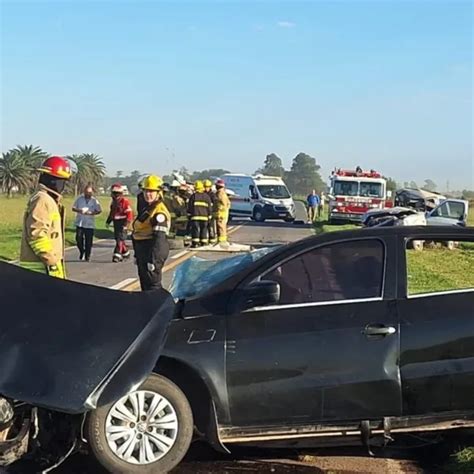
(354,192)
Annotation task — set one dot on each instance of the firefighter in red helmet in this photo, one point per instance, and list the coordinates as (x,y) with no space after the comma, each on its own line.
(42,243)
(121,215)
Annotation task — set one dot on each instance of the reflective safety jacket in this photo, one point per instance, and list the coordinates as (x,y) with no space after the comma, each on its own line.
(200,207)
(120,209)
(222,204)
(155,218)
(42,240)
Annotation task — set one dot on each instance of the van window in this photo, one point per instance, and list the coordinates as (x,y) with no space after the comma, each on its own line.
(342,271)
(274,191)
(439,266)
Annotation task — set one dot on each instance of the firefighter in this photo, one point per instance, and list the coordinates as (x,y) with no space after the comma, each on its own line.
(169,201)
(199,212)
(121,215)
(180,209)
(42,242)
(140,198)
(212,221)
(184,222)
(150,235)
(222,211)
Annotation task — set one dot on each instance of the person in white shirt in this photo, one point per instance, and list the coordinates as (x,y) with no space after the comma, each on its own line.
(86,207)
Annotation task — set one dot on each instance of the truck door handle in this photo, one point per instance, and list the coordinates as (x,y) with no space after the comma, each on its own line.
(379,330)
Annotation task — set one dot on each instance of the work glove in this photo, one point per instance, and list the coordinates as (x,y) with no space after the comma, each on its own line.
(151,267)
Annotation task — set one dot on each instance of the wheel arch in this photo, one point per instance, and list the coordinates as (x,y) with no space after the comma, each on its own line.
(198,394)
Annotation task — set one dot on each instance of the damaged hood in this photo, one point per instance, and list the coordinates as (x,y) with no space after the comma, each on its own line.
(71,347)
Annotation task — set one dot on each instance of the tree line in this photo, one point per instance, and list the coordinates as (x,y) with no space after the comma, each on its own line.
(18,173)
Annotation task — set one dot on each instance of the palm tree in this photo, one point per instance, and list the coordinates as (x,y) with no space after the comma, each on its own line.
(33,157)
(14,173)
(90,170)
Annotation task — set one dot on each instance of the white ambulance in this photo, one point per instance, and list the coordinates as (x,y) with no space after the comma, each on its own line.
(260,197)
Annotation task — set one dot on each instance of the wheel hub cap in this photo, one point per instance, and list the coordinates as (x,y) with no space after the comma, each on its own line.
(141,427)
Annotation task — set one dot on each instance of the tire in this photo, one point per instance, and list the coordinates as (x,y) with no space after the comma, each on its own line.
(450,245)
(418,245)
(175,406)
(258,215)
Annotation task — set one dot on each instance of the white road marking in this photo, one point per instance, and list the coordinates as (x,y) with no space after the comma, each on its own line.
(180,254)
(123,283)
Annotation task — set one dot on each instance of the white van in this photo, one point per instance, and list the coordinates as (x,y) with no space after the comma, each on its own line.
(260,197)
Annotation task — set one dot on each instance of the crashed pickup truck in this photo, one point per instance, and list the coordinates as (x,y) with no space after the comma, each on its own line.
(318,341)
(448,212)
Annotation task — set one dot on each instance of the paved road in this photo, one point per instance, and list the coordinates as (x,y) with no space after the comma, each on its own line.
(103,272)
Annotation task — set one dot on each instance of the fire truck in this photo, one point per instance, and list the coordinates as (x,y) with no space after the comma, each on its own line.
(354,192)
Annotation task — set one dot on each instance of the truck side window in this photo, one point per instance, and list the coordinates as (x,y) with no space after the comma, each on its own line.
(343,271)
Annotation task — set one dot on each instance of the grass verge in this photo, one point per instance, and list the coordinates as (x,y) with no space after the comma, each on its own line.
(11,218)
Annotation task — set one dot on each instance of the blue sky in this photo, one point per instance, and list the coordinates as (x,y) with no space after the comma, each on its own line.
(155,85)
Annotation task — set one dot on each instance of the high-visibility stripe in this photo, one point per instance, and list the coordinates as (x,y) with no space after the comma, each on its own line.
(160,228)
(41,245)
(204,241)
(195,240)
(119,217)
(173,215)
(55,216)
(199,218)
(222,239)
(201,203)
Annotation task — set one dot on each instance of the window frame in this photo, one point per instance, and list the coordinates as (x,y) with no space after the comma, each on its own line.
(325,303)
(426,238)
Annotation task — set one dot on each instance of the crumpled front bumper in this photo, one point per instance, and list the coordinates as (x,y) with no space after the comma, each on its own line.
(13,449)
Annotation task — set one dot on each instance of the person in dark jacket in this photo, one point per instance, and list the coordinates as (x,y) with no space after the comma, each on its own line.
(200,213)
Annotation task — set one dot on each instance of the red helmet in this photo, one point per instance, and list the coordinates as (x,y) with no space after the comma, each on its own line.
(117,188)
(56,166)
(220,182)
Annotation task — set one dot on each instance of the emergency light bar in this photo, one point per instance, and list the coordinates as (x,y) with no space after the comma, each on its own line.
(357,173)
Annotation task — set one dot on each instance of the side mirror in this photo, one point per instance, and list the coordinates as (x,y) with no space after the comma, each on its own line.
(331,197)
(259,293)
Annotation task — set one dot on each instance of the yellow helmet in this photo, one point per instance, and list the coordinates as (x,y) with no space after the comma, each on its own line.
(152,183)
(199,186)
(208,183)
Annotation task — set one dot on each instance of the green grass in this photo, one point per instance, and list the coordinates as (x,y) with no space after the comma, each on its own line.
(461,462)
(439,269)
(322,224)
(11,217)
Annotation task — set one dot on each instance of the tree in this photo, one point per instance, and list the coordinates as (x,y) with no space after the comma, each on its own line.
(184,172)
(208,174)
(413,185)
(119,174)
(272,166)
(304,175)
(430,185)
(90,170)
(15,174)
(391,184)
(467,194)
